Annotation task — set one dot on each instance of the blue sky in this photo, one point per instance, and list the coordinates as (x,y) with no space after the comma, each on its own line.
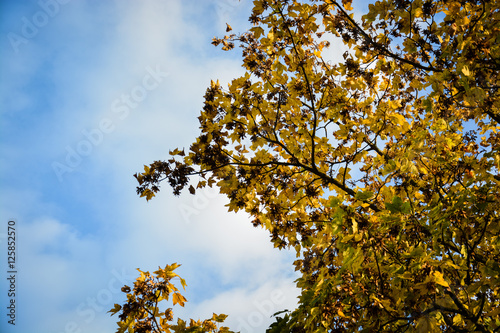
(90,92)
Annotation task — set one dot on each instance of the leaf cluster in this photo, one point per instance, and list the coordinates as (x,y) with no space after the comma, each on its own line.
(141,312)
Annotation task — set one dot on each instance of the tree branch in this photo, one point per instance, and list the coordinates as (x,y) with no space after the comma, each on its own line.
(379,47)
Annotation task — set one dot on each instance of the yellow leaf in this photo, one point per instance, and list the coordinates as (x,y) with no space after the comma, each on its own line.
(178,299)
(397,118)
(115,309)
(457,320)
(347,4)
(219,318)
(438,278)
(214,85)
(466,71)
(271,36)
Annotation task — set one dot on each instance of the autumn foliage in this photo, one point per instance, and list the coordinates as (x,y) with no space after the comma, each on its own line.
(141,312)
(379,166)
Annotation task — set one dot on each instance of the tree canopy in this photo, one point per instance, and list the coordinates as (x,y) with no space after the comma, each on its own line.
(379,166)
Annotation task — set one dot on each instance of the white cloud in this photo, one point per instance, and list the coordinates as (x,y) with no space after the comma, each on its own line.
(57,271)
(249,310)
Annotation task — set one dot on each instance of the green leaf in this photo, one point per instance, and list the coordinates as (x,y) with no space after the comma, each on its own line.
(363,196)
(396,206)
